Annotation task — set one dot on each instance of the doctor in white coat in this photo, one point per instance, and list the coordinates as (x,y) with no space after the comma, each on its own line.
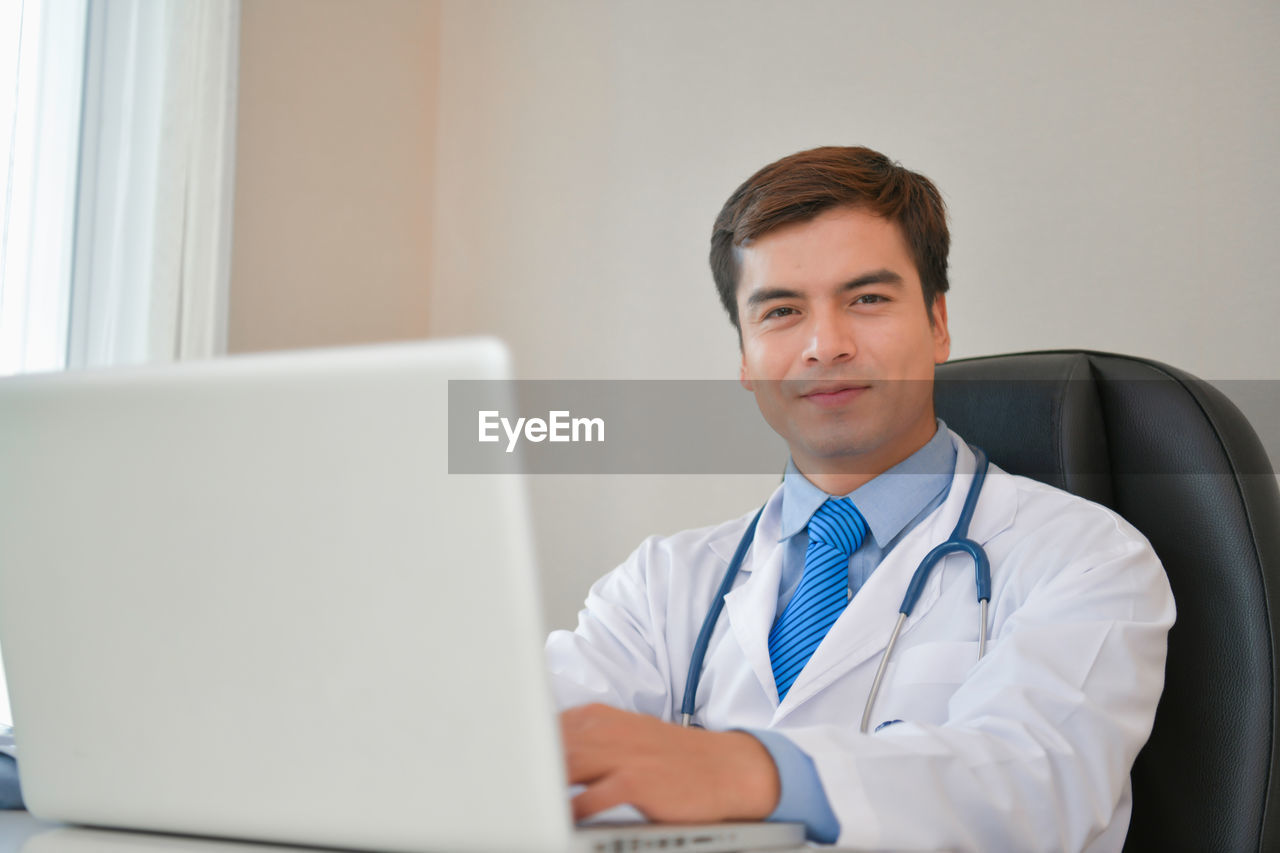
(832,264)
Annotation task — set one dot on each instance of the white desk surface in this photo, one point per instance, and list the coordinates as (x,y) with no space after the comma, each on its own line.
(22,833)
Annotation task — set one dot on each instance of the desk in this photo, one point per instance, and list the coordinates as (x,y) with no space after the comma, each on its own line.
(17,827)
(20,832)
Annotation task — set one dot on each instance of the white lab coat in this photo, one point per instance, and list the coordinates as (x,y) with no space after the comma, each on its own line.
(1030,749)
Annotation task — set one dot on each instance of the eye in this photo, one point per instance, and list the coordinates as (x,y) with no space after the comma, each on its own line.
(780,311)
(870,299)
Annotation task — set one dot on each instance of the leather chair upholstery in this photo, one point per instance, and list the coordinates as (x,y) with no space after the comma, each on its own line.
(1176,458)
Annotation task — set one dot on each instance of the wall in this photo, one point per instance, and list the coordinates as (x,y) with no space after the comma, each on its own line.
(548,172)
(1110,171)
(334,156)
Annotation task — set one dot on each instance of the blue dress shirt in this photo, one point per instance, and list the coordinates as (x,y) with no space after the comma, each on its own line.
(893,504)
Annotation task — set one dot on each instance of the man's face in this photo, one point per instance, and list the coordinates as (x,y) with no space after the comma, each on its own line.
(836,342)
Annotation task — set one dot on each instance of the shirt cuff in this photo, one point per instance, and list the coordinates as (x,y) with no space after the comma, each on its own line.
(803,798)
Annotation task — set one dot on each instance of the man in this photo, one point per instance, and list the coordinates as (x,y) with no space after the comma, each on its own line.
(832,266)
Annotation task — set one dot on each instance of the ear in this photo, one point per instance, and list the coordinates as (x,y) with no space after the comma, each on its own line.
(743,379)
(941,335)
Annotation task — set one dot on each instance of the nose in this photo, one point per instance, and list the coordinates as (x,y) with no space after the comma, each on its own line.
(831,339)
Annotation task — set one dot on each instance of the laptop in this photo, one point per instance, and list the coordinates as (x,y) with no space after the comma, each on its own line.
(245,598)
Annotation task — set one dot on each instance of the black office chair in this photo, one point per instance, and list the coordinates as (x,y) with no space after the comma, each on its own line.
(1176,458)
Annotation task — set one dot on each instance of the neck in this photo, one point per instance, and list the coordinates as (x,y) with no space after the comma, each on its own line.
(841,475)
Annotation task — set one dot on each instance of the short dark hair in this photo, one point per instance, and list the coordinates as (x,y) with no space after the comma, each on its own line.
(804,185)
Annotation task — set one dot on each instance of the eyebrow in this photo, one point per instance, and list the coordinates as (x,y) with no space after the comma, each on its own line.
(768,294)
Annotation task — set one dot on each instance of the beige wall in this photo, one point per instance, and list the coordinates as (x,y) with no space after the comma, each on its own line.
(1110,171)
(334,157)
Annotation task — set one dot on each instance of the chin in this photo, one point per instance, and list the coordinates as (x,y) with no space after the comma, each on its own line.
(837,437)
(841,457)
(847,445)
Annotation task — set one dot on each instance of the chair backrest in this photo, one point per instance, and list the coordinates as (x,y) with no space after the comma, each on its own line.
(1176,458)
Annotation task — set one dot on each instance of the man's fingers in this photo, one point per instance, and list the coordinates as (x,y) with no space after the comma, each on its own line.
(604,794)
(586,718)
(584,766)
(669,773)
(584,762)
(591,747)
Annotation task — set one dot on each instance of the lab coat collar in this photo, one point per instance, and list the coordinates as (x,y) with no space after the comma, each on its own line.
(750,606)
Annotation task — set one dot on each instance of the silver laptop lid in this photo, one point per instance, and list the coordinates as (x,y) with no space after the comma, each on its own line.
(245,598)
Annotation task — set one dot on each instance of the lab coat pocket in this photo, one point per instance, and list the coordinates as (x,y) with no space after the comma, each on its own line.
(935,663)
(919,684)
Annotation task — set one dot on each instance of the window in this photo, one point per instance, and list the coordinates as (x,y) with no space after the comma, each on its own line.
(41,69)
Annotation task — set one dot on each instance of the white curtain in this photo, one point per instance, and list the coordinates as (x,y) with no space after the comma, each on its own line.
(153,223)
(42,52)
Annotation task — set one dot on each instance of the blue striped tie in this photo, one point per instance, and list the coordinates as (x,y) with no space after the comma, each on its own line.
(835,532)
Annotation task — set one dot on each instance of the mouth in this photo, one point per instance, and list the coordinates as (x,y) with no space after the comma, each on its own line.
(828,395)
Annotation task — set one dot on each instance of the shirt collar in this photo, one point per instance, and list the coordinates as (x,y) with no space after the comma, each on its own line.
(888,501)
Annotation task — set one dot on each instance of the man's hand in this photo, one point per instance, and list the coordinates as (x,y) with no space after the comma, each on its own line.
(671,774)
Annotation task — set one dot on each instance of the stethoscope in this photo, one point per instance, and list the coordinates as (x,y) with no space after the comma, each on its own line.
(957,542)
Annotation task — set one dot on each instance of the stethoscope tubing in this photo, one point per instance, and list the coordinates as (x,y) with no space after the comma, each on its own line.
(957,542)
